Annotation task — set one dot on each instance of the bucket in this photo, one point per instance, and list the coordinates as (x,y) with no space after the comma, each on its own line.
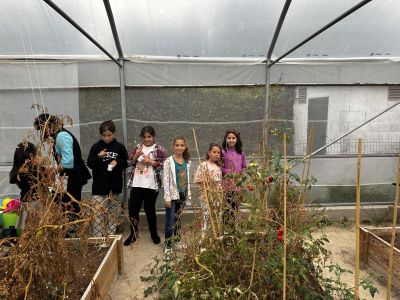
(9,219)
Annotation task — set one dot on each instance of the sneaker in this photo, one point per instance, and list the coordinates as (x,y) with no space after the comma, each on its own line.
(156,239)
(131,238)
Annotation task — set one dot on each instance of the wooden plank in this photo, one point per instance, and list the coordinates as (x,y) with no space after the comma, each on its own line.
(120,252)
(379,269)
(364,238)
(378,252)
(102,280)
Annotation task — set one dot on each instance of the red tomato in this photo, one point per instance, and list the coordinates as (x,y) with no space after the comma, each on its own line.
(250,188)
(280,238)
(270,178)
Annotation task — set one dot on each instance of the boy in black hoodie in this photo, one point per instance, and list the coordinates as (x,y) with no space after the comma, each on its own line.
(107,158)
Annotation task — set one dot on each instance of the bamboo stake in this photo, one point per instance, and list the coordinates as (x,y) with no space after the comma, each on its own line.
(395,206)
(357,266)
(205,189)
(284,216)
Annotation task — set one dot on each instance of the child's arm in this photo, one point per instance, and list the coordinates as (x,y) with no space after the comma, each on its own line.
(94,160)
(199,174)
(160,158)
(166,183)
(135,153)
(244,162)
(122,159)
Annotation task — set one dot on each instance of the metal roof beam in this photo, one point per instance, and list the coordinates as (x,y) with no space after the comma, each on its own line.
(113,28)
(80,29)
(330,24)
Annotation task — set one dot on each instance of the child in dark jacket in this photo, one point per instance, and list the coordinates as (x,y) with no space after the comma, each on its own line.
(107,158)
(23,172)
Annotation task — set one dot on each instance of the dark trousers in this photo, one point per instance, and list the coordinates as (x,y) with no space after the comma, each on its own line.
(70,206)
(173,220)
(74,188)
(149,197)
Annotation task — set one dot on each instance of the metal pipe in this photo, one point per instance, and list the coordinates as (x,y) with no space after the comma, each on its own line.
(80,29)
(346,134)
(123,119)
(268,71)
(113,28)
(266,112)
(330,24)
(278,28)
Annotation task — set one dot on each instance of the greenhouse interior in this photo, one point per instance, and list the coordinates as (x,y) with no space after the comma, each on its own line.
(310,89)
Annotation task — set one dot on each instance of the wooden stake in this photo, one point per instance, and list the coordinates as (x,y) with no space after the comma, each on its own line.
(284,216)
(395,206)
(210,217)
(357,265)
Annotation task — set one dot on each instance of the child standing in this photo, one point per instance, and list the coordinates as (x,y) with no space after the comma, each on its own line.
(176,182)
(107,158)
(147,160)
(23,172)
(233,162)
(209,176)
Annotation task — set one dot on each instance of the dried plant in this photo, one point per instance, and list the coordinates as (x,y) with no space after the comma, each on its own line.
(41,263)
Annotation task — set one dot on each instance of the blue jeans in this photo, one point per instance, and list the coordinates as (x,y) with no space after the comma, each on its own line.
(173,220)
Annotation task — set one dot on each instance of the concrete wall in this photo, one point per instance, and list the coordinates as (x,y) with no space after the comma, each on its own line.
(348,107)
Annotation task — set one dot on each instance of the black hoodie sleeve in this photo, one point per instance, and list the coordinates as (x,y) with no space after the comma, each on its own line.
(94,161)
(122,158)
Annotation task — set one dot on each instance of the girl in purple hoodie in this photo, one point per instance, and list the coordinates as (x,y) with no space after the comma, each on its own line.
(233,162)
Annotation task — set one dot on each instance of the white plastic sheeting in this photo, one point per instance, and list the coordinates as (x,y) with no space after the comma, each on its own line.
(200,28)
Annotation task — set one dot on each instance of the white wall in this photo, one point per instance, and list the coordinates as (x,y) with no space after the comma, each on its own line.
(348,107)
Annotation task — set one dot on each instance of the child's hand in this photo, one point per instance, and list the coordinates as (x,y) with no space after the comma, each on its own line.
(147,160)
(168,204)
(103,153)
(138,152)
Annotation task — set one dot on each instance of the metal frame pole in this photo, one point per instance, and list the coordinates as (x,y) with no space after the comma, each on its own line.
(114,30)
(80,29)
(268,70)
(330,24)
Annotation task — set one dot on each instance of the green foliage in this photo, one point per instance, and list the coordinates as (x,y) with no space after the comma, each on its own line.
(245,259)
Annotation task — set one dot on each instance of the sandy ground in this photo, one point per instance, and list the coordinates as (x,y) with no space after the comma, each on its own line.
(342,245)
(139,259)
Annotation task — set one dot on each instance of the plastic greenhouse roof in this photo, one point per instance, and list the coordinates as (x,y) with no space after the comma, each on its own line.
(199,28)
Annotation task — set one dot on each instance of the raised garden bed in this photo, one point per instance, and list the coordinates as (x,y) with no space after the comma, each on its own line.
(110,266)
(374,251)
(106,261)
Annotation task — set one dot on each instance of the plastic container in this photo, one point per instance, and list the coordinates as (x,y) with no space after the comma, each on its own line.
(9,219)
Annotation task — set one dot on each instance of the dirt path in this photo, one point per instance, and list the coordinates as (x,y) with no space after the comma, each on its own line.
(138,261)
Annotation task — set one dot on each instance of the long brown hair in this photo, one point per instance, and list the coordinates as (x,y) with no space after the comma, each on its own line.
(185,154)
(212,145)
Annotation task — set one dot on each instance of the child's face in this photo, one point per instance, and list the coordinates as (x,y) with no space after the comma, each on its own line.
(231,140)
(148,139)
(214,154)
(179,147)
(107,136)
